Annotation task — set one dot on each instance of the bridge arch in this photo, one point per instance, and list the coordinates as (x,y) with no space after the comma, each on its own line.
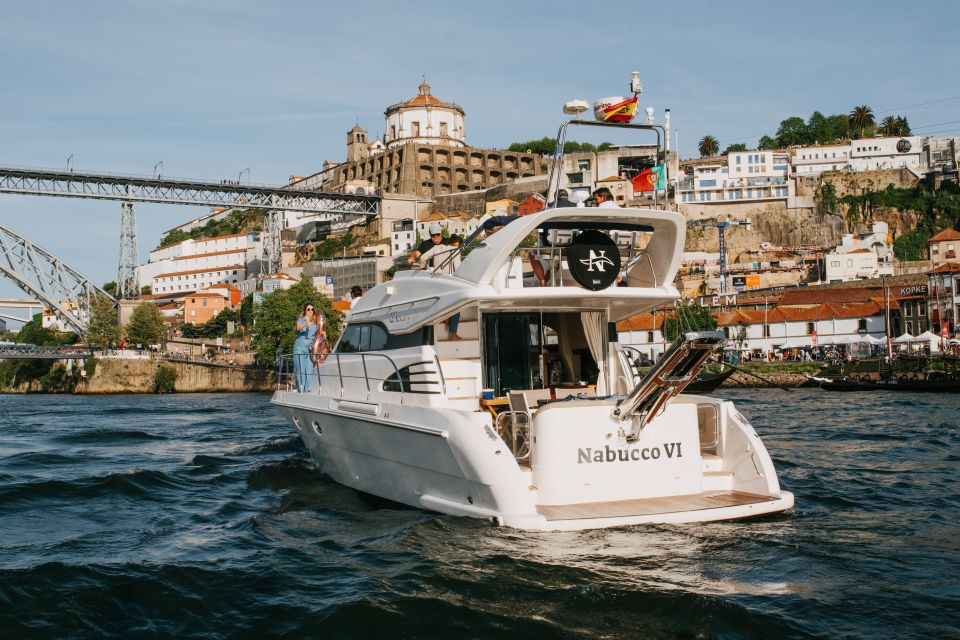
(47,277)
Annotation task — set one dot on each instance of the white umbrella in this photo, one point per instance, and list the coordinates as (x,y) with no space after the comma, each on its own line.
(906,338)
(875,340)
(788,345)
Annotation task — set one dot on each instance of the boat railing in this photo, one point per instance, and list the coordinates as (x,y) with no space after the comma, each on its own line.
(556,255)
(318,366)
(514,429)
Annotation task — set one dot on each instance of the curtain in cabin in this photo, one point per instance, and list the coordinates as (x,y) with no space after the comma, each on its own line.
(595,328)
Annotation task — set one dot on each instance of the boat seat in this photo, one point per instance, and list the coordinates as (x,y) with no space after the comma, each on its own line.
(527,400)
(584,392)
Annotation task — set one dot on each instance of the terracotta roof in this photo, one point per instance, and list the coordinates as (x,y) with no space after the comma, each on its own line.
(825,311)
(820,295)
(205,295)
(946,234)
(645,322)
(212,253)
(211,270)
(949,267)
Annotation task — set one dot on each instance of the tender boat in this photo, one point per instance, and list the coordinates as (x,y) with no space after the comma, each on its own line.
(535,418)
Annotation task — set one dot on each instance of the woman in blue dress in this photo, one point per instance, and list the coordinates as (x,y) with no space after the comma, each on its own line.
(307,326)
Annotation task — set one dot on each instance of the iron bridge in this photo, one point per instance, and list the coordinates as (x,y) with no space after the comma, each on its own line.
(35,352)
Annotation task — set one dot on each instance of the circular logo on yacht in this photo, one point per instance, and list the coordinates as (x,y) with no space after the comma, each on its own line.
(593,260)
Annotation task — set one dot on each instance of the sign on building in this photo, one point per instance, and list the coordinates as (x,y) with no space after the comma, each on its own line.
(324,284)
(753,280)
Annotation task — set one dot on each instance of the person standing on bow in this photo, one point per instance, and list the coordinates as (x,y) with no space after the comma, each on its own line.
(308,324)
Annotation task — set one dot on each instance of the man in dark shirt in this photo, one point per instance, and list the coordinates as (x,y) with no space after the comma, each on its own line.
(563,199)
(436,237)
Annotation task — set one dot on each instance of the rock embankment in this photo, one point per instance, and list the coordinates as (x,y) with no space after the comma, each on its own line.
(136,376)
(739,379)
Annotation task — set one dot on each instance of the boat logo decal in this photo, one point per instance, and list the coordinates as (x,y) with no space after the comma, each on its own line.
(667,450)
(598,260)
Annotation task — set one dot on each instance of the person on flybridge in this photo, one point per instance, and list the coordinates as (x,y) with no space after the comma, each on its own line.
(435,239)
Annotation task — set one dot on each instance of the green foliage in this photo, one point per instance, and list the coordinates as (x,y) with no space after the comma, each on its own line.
(913,245)
(246,311)
(547,146)
(164,380)
(213,328)
(861,118)
(708,146)
(33,333)
(146,324)
(826,198)
(146,290)
(389,273)
(894,126)
(692,317)
(333,245)
(48,374)
(239,221)
(90,366)
(792,131)
(104,326)
(766,142)
(277,315)
(733,148)
(111,288)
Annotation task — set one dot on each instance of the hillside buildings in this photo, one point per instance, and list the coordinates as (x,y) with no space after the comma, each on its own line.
(424,151)
(861,256)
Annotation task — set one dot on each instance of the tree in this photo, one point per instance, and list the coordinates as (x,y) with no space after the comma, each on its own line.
(861,118)
(901,126)
(278,313)
(104,327)
(840,125)
(146,324)
(146,290)
(792,131)
(888,126)
(111,288)
(733,148)
(692,317)
(174,236)
(819,129)
(708,146)
(246,311)
(766,143)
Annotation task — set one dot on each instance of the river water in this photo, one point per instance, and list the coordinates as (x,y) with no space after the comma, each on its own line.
(201,516)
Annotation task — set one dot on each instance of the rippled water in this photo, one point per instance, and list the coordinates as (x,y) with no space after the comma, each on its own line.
(200,515)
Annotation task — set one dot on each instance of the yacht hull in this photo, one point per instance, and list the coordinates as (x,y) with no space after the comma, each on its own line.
(458,465)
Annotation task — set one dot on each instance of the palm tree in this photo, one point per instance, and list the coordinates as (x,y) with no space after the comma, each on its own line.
(888,126)
(709,146)
(902,126)
(861,117)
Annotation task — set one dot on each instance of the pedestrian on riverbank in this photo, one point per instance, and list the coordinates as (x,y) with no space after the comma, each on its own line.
(306,329)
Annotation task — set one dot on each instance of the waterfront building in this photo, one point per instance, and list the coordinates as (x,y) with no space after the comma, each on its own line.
(644,333)
(203,306)
(861,256)
(943,285)
(942,248)
(402,236)
(194,265)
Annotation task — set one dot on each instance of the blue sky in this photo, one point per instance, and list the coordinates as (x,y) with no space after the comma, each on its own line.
(211,88)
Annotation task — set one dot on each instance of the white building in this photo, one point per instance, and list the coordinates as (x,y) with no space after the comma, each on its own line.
(403,236)
(192,265)
(424,119)
(742,176)
(861,256)
(816,160)
(886,153)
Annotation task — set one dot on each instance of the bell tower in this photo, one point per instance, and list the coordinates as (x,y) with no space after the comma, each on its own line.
(357,146)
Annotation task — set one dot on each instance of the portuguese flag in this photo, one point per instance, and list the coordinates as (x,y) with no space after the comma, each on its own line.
(651,179)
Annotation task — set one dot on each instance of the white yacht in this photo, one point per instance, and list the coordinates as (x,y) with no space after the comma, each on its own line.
(535,418)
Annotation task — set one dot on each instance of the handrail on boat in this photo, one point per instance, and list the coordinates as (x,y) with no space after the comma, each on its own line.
(284,371)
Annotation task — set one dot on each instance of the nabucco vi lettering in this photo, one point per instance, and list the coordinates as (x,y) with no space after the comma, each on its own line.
(608,454)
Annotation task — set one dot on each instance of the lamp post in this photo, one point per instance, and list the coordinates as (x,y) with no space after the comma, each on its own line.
(70,163)
(158,174)
(240,175)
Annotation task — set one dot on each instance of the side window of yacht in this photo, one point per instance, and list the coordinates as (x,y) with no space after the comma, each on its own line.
(374,337)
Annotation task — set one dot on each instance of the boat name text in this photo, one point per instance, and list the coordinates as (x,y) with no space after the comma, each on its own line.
(608,454)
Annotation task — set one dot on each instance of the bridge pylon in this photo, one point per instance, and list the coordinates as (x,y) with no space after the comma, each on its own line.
(127,287)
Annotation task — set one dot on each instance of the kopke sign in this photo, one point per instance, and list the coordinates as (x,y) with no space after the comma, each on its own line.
(666,450)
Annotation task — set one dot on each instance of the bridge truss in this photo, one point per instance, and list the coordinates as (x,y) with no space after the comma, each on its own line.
(343,209)
(60,287)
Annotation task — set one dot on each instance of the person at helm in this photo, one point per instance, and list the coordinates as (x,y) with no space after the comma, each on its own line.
(436,238)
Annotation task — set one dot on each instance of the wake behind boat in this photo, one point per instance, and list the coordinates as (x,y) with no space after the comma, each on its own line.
(401,411)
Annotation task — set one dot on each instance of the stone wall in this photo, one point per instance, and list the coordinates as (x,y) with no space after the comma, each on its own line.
(136,376)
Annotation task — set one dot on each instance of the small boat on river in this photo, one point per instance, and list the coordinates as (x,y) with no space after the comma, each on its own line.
(482,426)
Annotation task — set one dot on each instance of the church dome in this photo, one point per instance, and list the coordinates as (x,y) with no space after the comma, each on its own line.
(424,119)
